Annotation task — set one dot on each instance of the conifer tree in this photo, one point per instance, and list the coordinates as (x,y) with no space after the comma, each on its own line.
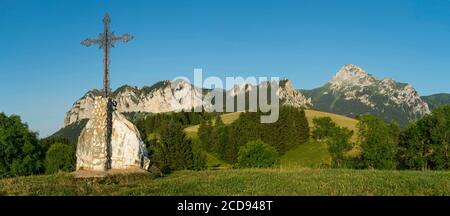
(219,136)
(174,151)
(205,131)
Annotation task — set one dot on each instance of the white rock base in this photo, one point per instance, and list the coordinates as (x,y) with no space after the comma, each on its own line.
(126,150)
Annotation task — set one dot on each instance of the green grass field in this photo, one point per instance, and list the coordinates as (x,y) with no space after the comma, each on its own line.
(240,182)
(312,154)
(299,172)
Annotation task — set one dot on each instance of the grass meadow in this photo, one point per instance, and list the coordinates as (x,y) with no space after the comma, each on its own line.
(253,182)
(301,171)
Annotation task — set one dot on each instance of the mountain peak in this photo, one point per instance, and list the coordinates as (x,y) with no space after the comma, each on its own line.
(351,74)
(286,83)
(353,91)
(352,70)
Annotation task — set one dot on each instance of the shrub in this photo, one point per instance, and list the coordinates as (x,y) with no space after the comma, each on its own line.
(257,154)
(199,160)
(323,128)
(60,157)
(378,142)
(338,145)
(20,153)
(155,172)
(425,144)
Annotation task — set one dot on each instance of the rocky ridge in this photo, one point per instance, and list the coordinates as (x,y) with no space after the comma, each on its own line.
(168,96)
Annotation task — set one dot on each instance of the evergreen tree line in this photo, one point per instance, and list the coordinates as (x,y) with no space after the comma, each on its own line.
(422,145)
(152,123)
(168,146)
(170,149)
(22,153)
(290,130)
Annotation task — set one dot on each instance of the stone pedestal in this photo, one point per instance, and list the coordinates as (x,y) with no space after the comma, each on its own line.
(125,149)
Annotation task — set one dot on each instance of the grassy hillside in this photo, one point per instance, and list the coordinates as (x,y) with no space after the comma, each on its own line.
(226,118)
(342,121)
(72,131)
(311,154)
(240,182)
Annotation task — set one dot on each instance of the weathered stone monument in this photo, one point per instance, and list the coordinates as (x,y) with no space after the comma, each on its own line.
(109,141)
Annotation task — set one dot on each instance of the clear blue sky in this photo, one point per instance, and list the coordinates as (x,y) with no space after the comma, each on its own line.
(44,69)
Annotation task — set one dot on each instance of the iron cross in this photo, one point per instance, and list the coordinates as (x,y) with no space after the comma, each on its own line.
(106,41)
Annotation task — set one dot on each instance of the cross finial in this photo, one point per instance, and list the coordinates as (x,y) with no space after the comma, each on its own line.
(106,19)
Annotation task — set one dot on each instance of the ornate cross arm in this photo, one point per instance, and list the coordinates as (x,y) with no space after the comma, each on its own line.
(124,38)
(112,39)
(102,41)
(88,42)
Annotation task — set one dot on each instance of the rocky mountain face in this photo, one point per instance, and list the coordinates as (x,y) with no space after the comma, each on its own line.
(436,100)
(167,96)
(164,96)
(353,91)
(291,96)
(286,93)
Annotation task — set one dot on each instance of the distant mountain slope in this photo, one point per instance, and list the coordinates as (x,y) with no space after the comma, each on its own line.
(72,131)
(353,92)
(437,100)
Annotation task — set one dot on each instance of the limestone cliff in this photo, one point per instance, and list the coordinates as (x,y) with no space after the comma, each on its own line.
(167,96)
(164,96)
